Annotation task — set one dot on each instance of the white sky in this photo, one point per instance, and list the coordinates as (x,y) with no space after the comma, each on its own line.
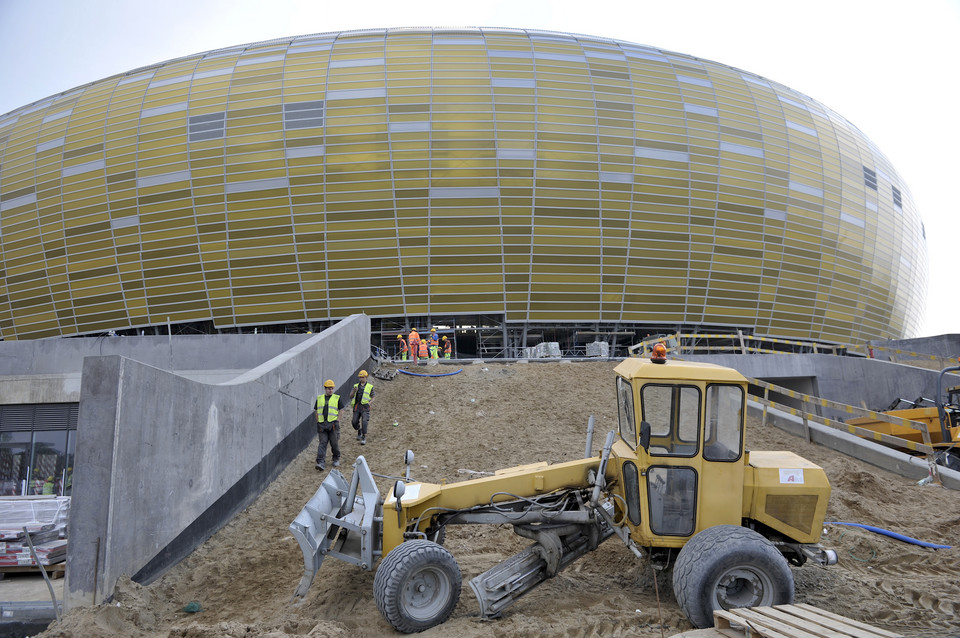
(891,68)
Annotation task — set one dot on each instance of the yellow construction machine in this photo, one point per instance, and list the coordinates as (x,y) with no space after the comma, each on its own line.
(674,484)
(941,422)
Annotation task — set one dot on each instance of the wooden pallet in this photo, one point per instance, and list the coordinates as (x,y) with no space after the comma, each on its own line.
(53,571)
(792,621)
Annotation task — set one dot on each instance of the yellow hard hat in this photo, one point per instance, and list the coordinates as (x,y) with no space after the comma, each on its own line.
(363,373)
(49,478)
(433,329)
(329,384)
(444,338)
(399,336)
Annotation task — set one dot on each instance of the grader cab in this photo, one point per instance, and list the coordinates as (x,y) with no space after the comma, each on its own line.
(674,483)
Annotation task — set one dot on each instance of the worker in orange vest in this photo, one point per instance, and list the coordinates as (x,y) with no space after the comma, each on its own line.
(403,348)
(434,344)
(423,350)
(414,339)
(447,348)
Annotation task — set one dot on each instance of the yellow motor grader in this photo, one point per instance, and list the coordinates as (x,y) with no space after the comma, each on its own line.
(674,484)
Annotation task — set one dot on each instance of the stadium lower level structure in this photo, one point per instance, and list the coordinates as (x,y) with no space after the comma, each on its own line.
(489,336)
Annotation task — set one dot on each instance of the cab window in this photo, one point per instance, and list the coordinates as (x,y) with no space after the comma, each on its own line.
(724,423)
(628,426)
(673,412)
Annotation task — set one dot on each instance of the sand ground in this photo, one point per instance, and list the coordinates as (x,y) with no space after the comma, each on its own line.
(491,416)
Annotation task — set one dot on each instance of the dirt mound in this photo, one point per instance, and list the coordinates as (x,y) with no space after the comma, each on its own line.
(491,416)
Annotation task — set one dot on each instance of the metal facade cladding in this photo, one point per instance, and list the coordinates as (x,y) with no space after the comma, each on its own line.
(536,175)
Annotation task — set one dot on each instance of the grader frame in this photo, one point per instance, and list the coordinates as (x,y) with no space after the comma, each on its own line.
(674,483)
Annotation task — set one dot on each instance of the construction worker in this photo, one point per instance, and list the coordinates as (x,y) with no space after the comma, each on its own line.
(447,348)
(327,406)
(434,344)
(423,351)
(360,398)
(48,486)
(403,348)
(414,339)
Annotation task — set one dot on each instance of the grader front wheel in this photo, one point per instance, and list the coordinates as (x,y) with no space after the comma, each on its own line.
(417,586)
(726,567)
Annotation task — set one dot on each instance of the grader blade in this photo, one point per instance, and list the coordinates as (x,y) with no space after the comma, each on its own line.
(339,520)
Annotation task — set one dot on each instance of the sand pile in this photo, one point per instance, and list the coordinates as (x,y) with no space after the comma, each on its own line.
(492,416)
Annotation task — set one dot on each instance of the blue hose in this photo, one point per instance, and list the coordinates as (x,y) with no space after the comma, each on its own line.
(420,374)
(886,532)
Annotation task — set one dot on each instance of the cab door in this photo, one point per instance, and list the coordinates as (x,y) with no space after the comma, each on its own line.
(721,467)
(672,457)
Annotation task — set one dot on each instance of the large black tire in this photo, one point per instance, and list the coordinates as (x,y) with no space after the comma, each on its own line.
(417,586)
(726,567)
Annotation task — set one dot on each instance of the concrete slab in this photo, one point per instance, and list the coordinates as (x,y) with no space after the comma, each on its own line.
(26,608)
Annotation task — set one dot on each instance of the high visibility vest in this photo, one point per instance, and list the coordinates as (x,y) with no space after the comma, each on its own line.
(403,344)
(423,348)
(365,397)
(332,411)
(414,338)
(434,340)
(447,347)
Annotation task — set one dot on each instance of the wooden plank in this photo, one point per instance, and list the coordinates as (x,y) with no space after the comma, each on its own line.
(803,620)
(793,621)
(764,624)
(868,631)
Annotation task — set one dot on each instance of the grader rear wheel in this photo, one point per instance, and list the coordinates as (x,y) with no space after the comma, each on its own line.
(726,567)
(417,586)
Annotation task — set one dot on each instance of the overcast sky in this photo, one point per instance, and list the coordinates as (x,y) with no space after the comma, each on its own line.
(890,68)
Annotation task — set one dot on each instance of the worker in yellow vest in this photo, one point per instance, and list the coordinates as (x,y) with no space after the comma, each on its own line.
(327,407)
(360,398)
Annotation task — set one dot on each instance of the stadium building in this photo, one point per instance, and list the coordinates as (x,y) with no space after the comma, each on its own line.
(508,186)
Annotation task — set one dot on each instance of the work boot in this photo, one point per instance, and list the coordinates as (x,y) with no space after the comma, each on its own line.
(363,440)
(359,436)
(336,463)
(321,467)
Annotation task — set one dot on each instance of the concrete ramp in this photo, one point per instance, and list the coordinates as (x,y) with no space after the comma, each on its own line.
(163,461)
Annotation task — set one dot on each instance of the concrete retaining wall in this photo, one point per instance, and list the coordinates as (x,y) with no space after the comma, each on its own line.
(48,370)
(162,461)
(181,352)
(859,382)
(947,346)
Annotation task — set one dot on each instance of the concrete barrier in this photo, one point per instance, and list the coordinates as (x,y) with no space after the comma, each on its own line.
(163,461)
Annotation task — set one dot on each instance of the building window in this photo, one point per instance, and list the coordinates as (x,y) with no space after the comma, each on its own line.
(37,443)
(303,115)
(897,201)
(870,178)
(206,127)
